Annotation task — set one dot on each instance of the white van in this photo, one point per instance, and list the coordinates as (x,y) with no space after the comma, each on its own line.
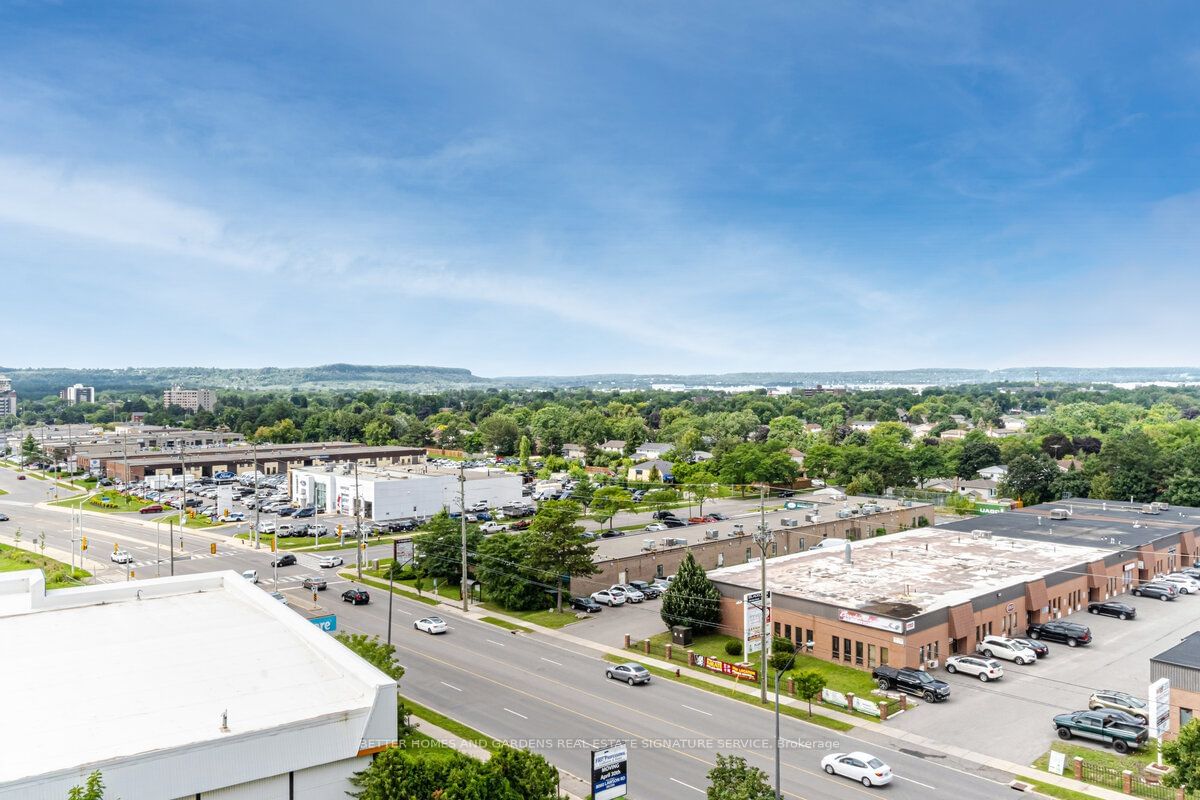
(827,544)
(251,575)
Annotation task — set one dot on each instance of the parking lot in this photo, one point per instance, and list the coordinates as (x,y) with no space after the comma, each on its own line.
(1011,718)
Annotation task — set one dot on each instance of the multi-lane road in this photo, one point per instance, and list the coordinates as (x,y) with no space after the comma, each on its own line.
(539,690)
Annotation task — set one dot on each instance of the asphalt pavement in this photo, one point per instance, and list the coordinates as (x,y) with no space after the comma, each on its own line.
(536,690)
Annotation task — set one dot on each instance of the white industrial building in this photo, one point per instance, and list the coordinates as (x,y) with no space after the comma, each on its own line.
(196,686)
(400,492)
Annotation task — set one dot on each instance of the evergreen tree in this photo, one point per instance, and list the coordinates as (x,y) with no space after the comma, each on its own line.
(691,599)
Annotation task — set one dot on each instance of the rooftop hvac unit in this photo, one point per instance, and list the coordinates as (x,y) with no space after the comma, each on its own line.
(649,545)
(712,533)
(981,534)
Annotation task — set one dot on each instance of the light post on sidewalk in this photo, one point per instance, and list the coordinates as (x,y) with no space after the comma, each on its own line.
(763,537)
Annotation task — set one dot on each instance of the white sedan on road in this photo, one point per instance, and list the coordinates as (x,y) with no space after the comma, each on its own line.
(331,561)
(431,625)
(121,557)
(862,767)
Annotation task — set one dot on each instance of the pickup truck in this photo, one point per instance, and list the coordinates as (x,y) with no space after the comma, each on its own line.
(911,681)
(1101,726)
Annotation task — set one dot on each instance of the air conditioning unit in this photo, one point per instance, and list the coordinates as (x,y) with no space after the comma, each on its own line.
(932,664)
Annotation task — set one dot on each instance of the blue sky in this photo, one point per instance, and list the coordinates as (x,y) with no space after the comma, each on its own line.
(536,188)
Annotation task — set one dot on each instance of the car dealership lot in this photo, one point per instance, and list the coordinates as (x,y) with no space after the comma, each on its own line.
(1011,718)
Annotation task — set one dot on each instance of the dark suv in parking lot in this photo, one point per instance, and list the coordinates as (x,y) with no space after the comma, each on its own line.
(1159,591)
(1070,633)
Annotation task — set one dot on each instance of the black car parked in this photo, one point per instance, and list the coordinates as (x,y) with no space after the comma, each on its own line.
(663,515)
(586,604)
(1111,608)
(648,589)
(1070,633)
(673,522)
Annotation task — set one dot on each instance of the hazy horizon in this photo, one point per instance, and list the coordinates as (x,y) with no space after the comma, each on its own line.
(539,189)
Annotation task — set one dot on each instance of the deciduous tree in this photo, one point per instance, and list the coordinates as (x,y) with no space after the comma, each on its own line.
(733,779)
(557,547)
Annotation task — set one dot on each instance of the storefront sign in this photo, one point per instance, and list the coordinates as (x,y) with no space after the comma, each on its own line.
(1011,607)
(738,671)
(871,621)
(834,698)
(1057,762)
(865,706)
(753,622)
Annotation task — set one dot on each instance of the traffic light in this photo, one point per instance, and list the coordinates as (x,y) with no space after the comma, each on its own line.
(339,530)
(212,548)
(272,545)
(115,548)
(85,543)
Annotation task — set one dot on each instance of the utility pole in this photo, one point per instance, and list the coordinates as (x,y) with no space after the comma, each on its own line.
(763,537)
(462,518)
(357,523)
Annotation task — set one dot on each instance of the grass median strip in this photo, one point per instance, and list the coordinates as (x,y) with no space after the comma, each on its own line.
(503,623)
(429,601)
(815,719)
(451,725)
(1050,790)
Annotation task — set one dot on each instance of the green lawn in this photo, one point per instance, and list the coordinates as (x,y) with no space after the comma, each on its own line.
(452,725)
(684,678)
(192,522)
(397,589)
(1100,757)
(503,623)
(58,574)
(118,503)
(548,618)
(1050,790)
(837,677)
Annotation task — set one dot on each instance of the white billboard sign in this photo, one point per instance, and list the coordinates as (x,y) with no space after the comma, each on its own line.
(610,772)
(871,621)
(753,621)
(1160,707)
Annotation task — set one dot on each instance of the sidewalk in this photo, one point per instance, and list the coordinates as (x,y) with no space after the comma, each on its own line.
(968,758)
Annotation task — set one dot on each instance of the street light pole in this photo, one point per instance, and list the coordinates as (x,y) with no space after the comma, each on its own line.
(462,518)
(257,499)
(778,782)
(357,523)
(391,592)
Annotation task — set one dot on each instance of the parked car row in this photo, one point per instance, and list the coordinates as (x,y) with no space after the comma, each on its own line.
(619,594)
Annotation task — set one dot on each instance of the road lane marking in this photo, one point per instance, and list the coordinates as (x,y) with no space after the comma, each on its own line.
(493,641)
(515,714)
(455,688)
(688,785)
(918,783)
(551,661)
(697,710)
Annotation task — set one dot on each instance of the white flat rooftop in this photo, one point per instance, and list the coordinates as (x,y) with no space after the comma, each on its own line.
(407,472)
(922,570)
(96,675)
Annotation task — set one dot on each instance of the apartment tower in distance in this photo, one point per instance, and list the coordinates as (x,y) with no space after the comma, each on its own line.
(78,394)
(189,399)
(8,398)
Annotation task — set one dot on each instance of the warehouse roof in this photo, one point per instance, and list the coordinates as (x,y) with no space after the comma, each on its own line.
(907,574)
(127,676)
(320,450)
(409,472)
(1184,654)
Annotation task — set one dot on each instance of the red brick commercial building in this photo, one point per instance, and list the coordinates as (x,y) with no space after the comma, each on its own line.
(915,597)
(1181,666)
